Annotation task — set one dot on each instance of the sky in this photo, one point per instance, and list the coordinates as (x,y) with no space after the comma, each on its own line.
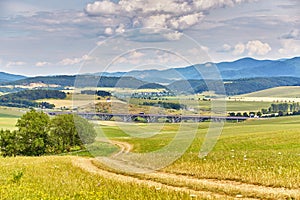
(85,36)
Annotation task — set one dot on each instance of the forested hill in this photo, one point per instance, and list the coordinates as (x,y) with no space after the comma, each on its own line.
(242,68)
(25,99)
(87,81)
(5,77)
(235,87)
(34,95)
(232,87)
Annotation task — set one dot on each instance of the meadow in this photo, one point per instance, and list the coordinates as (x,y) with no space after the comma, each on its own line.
(255,159)
(58,178)
(284,91)
(9,117)
(263,153)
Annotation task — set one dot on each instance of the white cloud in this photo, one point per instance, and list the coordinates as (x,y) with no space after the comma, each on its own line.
(101,7)
(120,28)
(109,31)
(41,64)
(73,61)
(239,49)
(204,48)
(226,47)
(177,15)
(256,47)
(156,21)
(136,54)
(252,48)
(14,64)
(173,35)
(186,21)
(290,47)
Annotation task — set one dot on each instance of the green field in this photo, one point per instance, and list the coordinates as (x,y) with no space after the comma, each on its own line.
(258,152)
(52,178)
(9,117)
(252,159)
(287,92)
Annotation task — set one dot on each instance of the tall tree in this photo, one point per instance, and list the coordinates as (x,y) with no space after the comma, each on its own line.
(71,130)
(33,131)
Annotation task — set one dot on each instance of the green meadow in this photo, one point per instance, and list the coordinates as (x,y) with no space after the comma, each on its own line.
(259,153)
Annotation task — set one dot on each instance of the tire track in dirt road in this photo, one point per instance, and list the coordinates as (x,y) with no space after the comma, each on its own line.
(188,184)
(87,165)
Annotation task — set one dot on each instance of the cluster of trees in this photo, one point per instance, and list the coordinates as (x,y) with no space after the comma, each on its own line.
(37,135)
(279,109)
(284,107)
(26,98)
(99,93)
(245,114)
(167,105)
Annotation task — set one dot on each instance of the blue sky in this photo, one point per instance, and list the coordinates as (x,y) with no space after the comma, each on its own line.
(73,36)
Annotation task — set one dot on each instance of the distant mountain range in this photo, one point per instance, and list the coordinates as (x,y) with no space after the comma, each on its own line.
(240,77)
(81,81)
(5,77)
(242,68)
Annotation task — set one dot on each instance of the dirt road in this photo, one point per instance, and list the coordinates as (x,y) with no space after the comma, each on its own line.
(216,189)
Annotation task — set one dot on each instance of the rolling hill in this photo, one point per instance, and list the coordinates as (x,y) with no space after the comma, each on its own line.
(284,91)
(5,77)
(86,81)
(242,68)
(235,87)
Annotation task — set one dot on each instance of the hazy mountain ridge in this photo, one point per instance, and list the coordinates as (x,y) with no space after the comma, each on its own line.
(6,77)
(242,68)
(86,81)
(240,77)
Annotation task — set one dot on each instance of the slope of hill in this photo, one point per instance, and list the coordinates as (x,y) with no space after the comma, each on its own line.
(236,87)
(242,68)
(86,81)
(5,77)
(284,91)
(25,99)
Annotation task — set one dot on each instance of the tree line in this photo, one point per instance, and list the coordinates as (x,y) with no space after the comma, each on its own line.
(283,109)
(166,105)
(26,98)
(100,93)
(280,109)
(38,135)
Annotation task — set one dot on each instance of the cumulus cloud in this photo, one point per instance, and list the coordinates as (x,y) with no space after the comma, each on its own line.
(173,35)
(226,48)
(256,47)
(73,61)
(177,15)
(252,48)
(101,7)
(136,54)
(41,64)
(290,47)
(109,31)
(239,49)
